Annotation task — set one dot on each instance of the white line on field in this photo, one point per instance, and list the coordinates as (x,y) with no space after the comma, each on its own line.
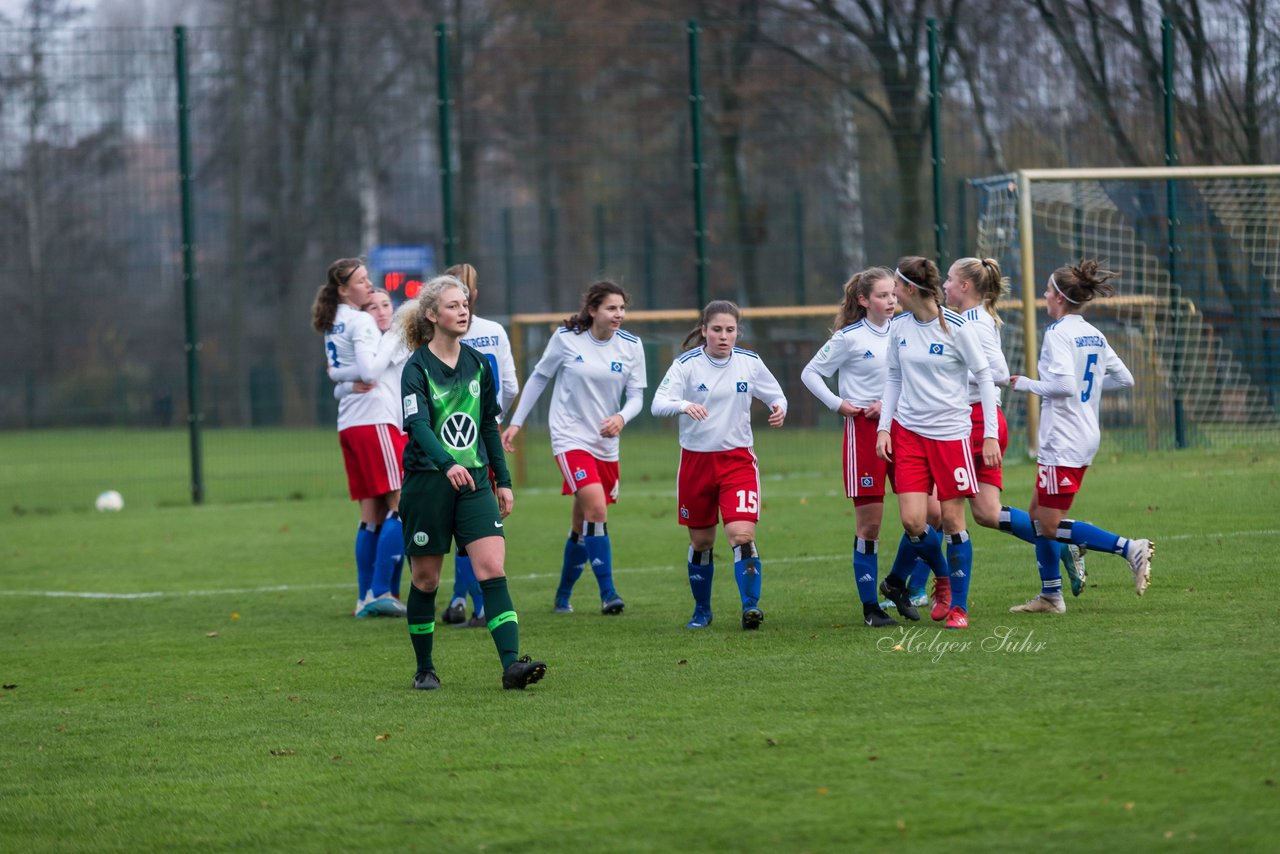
(532,576)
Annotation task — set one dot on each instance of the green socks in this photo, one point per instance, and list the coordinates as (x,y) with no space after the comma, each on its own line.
(421,613)
(503,625)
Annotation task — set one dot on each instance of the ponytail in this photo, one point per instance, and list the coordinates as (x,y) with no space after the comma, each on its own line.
(325,306)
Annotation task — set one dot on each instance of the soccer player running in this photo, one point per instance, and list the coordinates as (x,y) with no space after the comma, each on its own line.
(593,362)
(371,440)
(1076,365)
(712,386)
(856,352)
(490,339)
(924,430)
(451,413)
(383,389)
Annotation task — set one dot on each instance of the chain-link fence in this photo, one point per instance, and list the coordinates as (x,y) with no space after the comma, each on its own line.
(571,155)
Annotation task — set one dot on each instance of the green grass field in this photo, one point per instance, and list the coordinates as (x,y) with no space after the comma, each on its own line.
(218,695)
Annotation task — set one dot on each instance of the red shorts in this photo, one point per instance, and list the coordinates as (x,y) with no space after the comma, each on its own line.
(723,482)
(864,472)
(987,474)
(1056,486)
(580,469)
(372,454)
(920,464)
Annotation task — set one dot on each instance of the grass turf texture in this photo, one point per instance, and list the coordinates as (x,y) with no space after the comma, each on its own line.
(224,714)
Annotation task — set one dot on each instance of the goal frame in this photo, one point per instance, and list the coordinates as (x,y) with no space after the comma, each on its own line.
(1023,179)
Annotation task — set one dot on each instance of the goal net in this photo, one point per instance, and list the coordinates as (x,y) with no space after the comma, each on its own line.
(1197,311)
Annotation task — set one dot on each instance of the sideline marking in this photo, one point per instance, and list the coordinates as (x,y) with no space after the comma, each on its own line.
(531,576)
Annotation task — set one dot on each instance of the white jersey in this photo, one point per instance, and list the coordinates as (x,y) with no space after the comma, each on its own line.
(382,404)
(590,378)
(352,343)
(857,353)
(723,387)
(1074,348)
(491,340)
(989,335)
(926,387)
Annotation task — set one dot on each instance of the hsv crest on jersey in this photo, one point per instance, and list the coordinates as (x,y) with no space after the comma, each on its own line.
(935,349)
(616,367)
(742,388)
(684,512)
(580,474)
(868,481)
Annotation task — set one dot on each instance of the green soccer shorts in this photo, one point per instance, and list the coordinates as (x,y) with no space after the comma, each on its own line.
(433,513)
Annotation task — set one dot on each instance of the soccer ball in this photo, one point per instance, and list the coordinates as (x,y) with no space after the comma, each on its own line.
(109,501)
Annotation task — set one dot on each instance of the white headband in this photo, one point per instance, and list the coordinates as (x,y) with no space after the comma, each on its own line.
(1054,282)
(898,273)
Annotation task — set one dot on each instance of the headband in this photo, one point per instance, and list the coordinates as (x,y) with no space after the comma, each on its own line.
(898,273)
(1054,282)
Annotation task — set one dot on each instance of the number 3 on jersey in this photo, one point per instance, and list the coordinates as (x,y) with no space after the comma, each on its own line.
(748,501)
(333,353)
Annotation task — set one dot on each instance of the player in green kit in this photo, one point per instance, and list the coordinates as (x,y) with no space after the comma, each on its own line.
(450,414)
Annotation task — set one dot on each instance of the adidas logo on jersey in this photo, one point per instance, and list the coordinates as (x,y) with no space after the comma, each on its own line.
(597,562)
(866,577)
(1066,481)
(868,355)
(578,358)
(702,387)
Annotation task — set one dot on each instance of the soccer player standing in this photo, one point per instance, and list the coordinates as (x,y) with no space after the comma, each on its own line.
(490,339)
(451,414)
(382,402)
(371,444)
(593,362)
(1076,365)
(925,426)
(856,352)
(712,386)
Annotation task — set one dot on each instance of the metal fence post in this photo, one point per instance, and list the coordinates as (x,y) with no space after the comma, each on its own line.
(1171,201)
(195,412)
(695,120)
(935,144)
(446,152)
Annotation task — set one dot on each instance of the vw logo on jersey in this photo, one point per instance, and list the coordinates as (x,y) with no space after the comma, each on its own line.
(616,367)
(459,431)
(742,387)
(935,349)
(474,388)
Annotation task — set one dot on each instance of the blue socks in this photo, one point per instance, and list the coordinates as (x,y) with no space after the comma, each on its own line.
(747,570)
(865,569)
(464,582)
(595,536)
(960,560)
(1018,522)
(928,547)
(1047,564)
(575,556)
(388,554)
(366,555)
(1084,534)
(701,571)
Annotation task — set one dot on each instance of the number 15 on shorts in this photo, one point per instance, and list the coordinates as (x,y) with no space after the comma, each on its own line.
(748,501)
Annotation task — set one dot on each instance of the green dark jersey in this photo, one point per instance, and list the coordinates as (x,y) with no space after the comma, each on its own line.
(451,414)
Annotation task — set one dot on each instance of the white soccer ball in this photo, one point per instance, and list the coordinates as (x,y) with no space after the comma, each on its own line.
(109,501)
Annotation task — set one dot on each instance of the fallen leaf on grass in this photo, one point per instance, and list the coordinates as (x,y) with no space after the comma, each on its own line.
(283,751)
(683,661)
(211,634)
(386,736)
(300,660)
(769,742)
(234,615)
(901,825)
(872,758)
(12,685)
(822,790)
(336,757)
(1129,806)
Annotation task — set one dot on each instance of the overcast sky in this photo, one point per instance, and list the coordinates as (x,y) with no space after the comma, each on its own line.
(119,13)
